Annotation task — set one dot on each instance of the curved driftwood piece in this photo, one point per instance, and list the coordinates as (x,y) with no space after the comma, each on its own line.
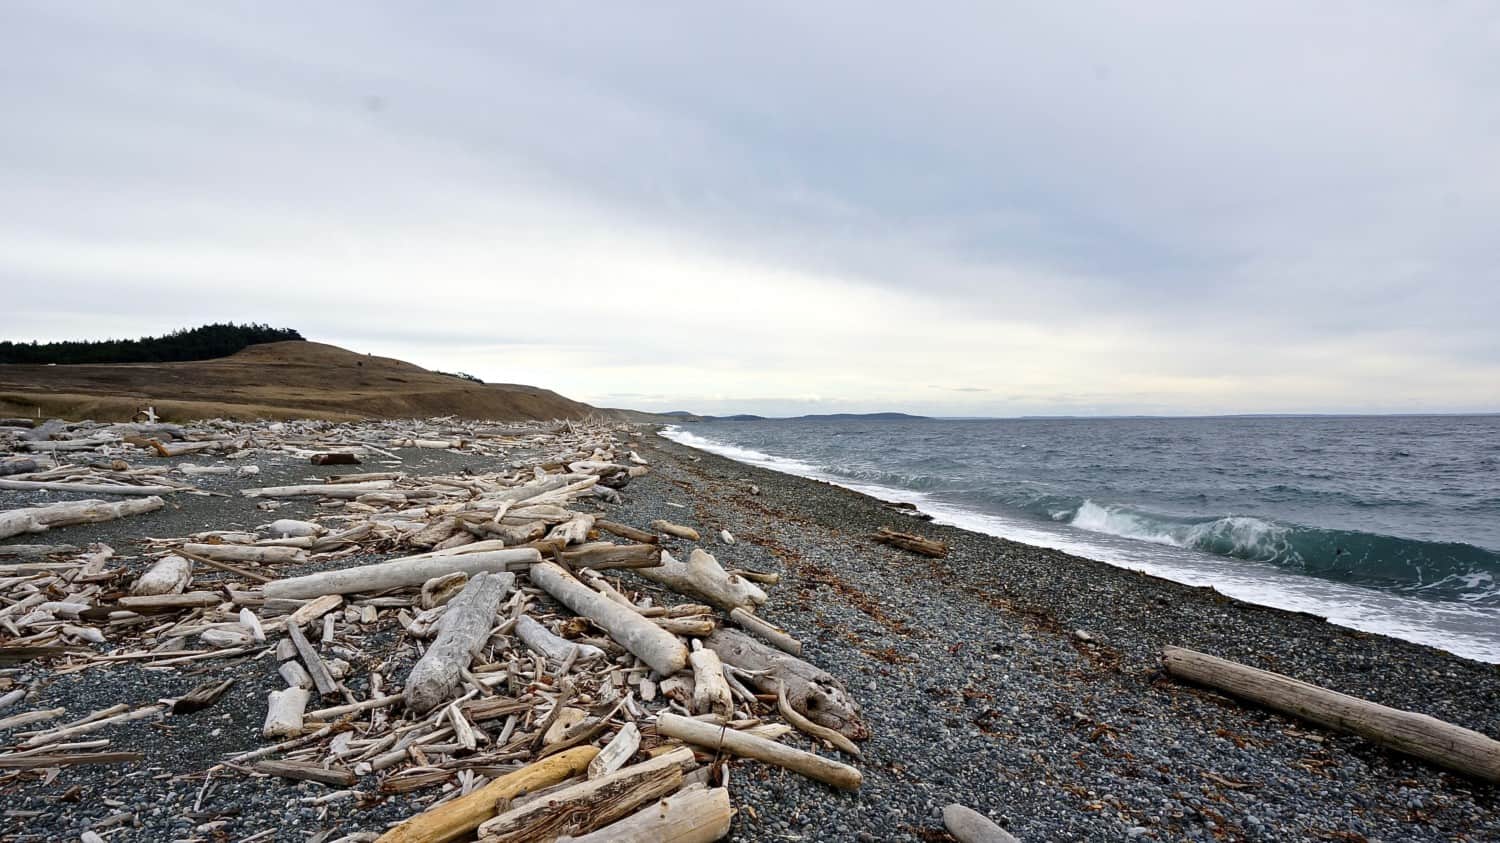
(170,575)
(38,519)
(457,818)
(647,641)
(677,530)
(1418,735)
(588,805)
(89,488)
(721,738)
(970,826)
(541,639)
(409,571)
(747,620)
(692,815)
(703,577)
(811,690)
(462,631)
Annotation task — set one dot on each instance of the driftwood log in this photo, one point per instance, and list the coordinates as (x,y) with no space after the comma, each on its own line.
(400,572)
(462,631)
(694,814)
(812,691)
(542,640)
(170,575)
(647,641)
(677,530)
(703,577)
(911,542)
(969,826)
(38,519)
(1418,735)
(588,805)
(609,555)
(89,488)
(768,631)
(458,818)
(749,746)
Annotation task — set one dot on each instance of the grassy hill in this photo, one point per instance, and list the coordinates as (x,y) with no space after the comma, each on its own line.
(273,380)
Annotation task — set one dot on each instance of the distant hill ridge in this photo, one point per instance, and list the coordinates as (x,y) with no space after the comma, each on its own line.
(280,380)
(202,343)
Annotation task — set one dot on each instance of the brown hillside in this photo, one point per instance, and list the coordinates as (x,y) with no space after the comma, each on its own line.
(275,380)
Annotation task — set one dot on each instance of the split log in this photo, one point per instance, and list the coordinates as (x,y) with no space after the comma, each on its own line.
(647,641)
(409,571)
(700,815)
(303,771)
(1418,735)
(463,630)
(615,753)
(37,519)
(710,690)
(170,575)
(284,713)
(970,826)
(913,543)
(575,531)
(186,600)
(677,530)
(608,555)
(588,805)
(314,609)
(439,590)
(88,488)
(703,577)
(555,647)
(752,622)
(455,819)
(720,738)
(263,555)
(322,679)
(320,490)
(811,690)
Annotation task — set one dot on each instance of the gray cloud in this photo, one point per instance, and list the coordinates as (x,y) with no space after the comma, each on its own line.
(1270,207)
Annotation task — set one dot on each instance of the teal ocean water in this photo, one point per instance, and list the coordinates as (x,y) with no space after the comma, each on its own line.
(1389,524)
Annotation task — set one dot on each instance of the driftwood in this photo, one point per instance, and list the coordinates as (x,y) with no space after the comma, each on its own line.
(627,532)
(1418,735)
(88,488)
(692,815)
(322,680)
(647,641)
(608,555)
(710,689)
(794,717)
(291,528)
(969,826)
(768,631)
(247,553)
(615,753)
(677,530)
(320,490)
(590,804)
(552,646)
(170,575)
(463,630)
(703,577)
(303,771)
(186,600)
(812,691)
(913,543)
(400,572)
(738,743)
(456,819)
(38,519)
(284,713)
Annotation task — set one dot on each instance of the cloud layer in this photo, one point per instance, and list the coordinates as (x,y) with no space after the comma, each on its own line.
(966,210)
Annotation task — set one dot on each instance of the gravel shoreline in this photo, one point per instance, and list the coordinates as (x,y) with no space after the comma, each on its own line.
(968,670)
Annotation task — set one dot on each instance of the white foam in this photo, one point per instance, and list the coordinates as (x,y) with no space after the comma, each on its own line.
(1118,538)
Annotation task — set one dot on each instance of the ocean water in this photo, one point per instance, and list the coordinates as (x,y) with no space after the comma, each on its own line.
(1385,524)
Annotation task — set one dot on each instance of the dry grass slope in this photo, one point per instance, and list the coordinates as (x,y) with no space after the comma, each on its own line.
(275,381)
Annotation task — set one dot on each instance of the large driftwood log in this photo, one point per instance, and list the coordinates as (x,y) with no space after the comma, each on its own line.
(588,805)
(1419,735)
(812,691)
(721,738)
(703,577)
(647,641)
(455,819)
(284,713)
(710,688)
(463,630)
(608,555)
(170,575)
(320,490)
(38,519)
(970,826)
(265,555)
(552,646)
(409,571)
(911,542)
(89,488)
(692,815)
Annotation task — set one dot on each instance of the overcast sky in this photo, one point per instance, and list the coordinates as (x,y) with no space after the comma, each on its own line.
(987,209)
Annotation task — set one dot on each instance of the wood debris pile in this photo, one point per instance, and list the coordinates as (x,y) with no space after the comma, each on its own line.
(482,637)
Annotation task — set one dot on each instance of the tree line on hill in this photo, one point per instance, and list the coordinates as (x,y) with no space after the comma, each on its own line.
(204,343)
